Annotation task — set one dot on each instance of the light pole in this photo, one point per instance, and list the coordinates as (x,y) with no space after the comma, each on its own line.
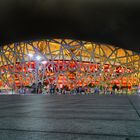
(36,59)
(37,68)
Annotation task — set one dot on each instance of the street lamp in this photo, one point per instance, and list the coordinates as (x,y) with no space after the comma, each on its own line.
(36,59)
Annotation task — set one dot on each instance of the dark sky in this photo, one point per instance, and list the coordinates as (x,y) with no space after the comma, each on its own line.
(115,22)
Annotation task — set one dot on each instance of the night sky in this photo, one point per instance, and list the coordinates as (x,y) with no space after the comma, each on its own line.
(115,22)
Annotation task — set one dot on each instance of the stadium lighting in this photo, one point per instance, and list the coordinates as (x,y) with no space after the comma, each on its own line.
(38,57)
(44,62)
(30,55)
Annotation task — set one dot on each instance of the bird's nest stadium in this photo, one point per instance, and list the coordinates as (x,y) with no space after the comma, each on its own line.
(65,62)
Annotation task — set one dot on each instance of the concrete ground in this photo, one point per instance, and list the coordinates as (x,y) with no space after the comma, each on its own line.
(83,117)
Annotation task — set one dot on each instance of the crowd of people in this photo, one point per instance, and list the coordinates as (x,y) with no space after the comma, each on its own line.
(53,89)
(65,90)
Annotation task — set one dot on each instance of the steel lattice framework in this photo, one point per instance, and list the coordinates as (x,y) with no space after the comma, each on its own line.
(67,62)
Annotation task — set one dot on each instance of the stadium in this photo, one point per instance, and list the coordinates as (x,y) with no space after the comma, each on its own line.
(68,63)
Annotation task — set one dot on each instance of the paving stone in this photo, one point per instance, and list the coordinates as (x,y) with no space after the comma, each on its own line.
(69,117)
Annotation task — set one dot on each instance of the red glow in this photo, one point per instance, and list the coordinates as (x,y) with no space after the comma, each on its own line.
(69,68)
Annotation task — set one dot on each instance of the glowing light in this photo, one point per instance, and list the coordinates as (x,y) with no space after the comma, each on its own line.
(61,85)
(30,69)
(44,62)
(6,86)
(38,57)
(30,55)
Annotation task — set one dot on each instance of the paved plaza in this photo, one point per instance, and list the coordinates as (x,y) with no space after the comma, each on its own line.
(62,117)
